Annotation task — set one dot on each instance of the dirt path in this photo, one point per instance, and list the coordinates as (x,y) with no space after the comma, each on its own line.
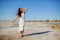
(31,33)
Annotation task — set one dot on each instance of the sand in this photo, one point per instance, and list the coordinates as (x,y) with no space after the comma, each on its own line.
(31,33)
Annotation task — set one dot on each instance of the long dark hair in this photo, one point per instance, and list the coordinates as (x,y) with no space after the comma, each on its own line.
(19,12)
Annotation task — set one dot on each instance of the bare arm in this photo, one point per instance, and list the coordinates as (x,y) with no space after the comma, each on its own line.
(15,19)
(25,10)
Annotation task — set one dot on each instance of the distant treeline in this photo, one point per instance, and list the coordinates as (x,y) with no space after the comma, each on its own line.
(55,20)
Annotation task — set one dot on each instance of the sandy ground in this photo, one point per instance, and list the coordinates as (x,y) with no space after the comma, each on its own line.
(31,33)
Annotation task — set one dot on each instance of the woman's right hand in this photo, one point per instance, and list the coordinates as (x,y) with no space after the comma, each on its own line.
(13,21)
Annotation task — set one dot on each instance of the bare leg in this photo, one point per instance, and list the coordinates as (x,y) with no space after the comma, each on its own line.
(22,32)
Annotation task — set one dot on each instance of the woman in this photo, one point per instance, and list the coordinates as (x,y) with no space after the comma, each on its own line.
(21,16)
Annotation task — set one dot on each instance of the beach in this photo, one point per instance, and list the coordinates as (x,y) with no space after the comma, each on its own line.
(33,31)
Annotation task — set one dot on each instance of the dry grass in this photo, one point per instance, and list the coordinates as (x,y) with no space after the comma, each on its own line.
(55,26)
(5,37)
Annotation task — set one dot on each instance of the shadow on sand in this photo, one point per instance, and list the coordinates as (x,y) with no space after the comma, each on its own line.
(38,33)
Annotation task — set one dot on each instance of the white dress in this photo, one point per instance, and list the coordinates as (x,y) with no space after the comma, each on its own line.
(21,22)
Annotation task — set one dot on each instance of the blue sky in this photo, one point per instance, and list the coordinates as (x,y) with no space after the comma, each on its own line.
(37,9)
